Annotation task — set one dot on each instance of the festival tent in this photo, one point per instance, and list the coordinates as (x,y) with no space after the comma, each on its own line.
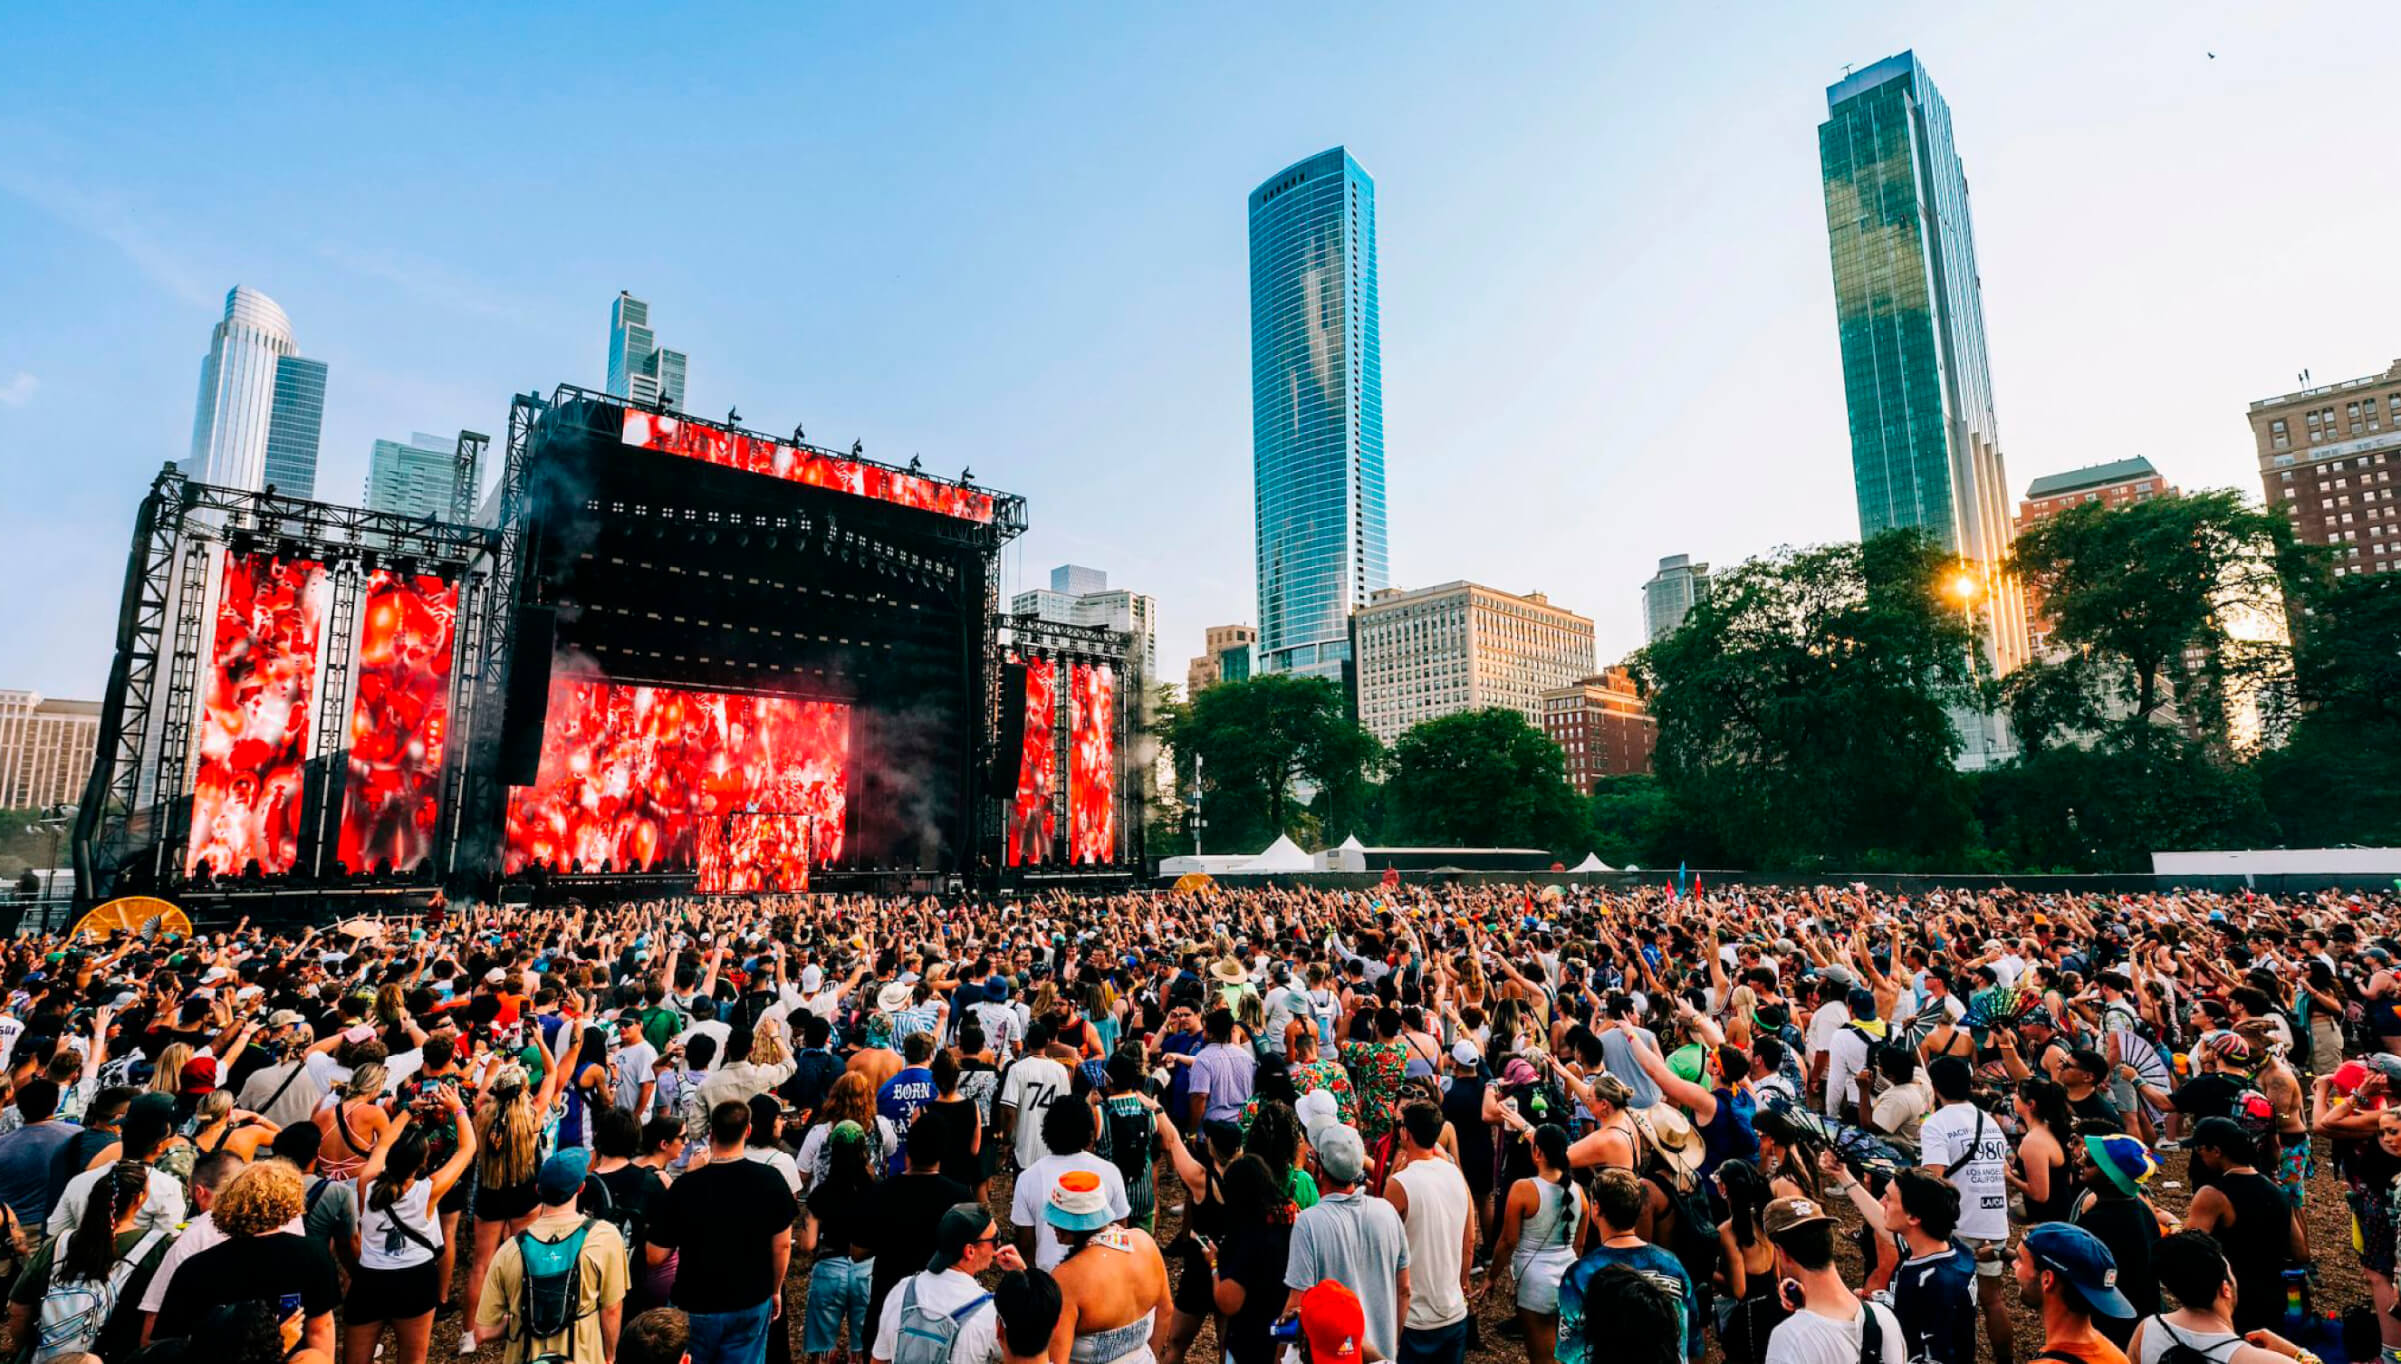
(1206,864)
(1282,856)
(1350,856)
(1592,862)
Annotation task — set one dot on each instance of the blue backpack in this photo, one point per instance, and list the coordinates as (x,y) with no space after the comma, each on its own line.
(553,1283)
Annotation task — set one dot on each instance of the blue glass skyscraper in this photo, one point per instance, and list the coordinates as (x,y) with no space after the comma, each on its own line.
(1317,410)
(294,426)
(1909,306)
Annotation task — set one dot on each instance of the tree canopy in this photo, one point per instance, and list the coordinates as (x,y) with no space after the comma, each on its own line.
(1482,779)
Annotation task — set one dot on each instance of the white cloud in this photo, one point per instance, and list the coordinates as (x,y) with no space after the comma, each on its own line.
(18,391)
(116,220)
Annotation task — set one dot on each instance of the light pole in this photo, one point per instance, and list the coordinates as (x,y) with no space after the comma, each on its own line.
(1199,821)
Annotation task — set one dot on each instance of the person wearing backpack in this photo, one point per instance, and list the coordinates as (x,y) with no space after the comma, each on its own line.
(1618,1199)
(555,1291)
(1829,1324)
(81,1291)
(943,1313)
(2201,1331)
(398,1278)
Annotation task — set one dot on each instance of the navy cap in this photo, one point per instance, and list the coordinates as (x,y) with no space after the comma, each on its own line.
(562,1176)
(2078,1258)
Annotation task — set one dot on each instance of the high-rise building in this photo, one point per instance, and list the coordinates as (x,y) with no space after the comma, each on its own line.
(640,368)
(1096,604)
(261,406)
(46,749)
(1208,670)
(1601,726)
(1440,650)
(1671,594)
(416,477)
(2118,483)
(1317,410)
(295,425)
(2327,456)
(1925,446)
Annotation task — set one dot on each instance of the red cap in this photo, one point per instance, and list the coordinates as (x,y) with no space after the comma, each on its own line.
(1333,1321)
(199,1075)
(2348,1075)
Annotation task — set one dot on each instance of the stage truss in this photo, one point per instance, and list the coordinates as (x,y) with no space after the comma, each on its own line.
(1032,636)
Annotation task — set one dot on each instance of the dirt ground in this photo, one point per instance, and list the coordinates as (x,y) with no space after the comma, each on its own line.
(2341,1284)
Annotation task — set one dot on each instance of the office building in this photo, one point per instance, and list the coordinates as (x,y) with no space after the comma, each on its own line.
(1317,410)
(2327,456)
(46,749)
(1208,670)
(1601,726)
(261,406)
(1440,650)
(1096,604)
(2118,483)
(639,367)
(1670,595)
(416,477)
(1925,445)
(294,426)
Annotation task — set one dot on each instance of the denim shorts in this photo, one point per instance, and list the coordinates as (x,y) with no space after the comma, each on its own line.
(838,1288)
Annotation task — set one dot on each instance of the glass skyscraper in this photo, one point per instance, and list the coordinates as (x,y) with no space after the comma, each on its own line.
(639,368)
(1317,410)
(1925,448)
(261,406)
(416,477)
(294,426)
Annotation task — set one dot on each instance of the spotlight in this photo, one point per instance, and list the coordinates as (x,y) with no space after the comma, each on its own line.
(798,435)
(733,416)
(858,448)
(967,475)
(916,465)
(287,549)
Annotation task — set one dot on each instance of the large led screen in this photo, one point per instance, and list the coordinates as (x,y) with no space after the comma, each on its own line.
(398,722)
(254,715)
(631,775)
(753,454)
(1092,764)
(755,851)
(1032,820)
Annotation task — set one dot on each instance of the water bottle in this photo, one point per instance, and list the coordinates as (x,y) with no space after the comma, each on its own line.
(2296,1302)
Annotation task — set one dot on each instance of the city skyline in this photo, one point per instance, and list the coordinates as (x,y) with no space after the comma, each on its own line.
(1571,315)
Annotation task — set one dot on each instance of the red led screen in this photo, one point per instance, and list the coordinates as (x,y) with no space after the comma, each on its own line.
(1092,764)
(398,722)
(630,775)
(1032,820)
(254,715)
(754,454)
(748,852)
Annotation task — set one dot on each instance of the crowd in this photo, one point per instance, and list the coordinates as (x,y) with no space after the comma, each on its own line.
(1798,1126)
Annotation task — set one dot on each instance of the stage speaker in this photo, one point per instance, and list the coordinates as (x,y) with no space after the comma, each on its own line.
(527,702)
(1009,753)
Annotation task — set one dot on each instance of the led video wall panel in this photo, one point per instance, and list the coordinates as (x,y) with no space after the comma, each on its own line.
(1033,822)
(1092,764)
(755,851)
(399,720)
(672,435)
(254,699)
(630,776)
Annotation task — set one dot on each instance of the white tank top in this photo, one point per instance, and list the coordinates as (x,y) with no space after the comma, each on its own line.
(385,1238)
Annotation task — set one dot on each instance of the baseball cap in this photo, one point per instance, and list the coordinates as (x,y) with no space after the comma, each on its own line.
(562,1175)
(1333,1321)
(1464,1052)
(284,1018)
(1342,1154)
(1316,1109)
(962,1225)
(2082,1262)
(199,1075)
(1784,1214)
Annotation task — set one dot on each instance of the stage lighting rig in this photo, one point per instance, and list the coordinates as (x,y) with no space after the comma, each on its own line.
(858,449)
(799,435)
(916,465)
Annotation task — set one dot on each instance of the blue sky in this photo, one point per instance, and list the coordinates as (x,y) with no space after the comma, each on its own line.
(1013,237)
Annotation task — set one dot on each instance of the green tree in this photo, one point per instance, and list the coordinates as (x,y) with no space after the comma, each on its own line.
(1255,742)
(1633,821)
(2109,806)
(1482,779)
(2337,779)
(2148,598)
(1803,710)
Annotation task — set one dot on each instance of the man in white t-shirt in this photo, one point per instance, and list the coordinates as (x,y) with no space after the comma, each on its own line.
(1963,1144)
(966,1243)
(634,1067)
(1438,1214)
(1833,1326)
(1847,1051)
(1824,1022)
(1003,1028)
(1033,1084)
(1068,1128)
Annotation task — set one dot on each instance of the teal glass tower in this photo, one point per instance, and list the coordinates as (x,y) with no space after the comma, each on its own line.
(1317,411)
(1925,448)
